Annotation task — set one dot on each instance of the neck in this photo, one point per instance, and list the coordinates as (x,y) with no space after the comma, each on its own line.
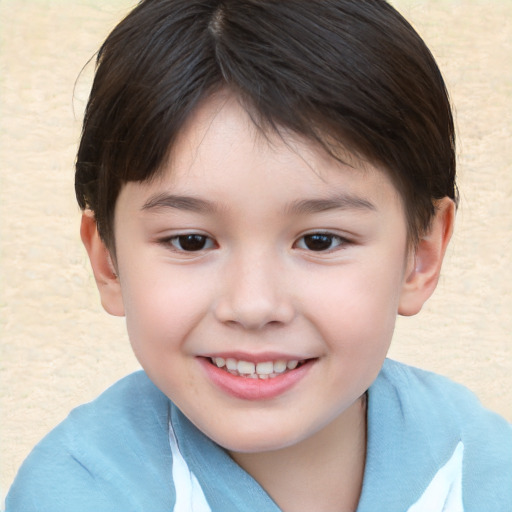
(321,473)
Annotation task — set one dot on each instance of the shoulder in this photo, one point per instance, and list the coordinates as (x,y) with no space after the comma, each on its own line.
(97,459)
(435,416)
(440,396)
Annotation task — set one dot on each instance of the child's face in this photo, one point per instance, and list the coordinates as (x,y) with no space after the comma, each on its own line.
(261,251)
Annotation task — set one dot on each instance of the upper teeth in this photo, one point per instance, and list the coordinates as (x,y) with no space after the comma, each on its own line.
(260,370)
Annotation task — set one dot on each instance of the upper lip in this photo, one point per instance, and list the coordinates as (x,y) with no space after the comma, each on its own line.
(260,357)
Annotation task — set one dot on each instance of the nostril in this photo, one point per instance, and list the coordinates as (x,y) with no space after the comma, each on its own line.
(254,316)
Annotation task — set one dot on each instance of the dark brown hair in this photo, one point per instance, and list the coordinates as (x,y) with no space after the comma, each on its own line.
(343,73)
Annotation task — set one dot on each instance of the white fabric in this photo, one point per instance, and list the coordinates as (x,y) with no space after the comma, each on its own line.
(189,495)
(444,493)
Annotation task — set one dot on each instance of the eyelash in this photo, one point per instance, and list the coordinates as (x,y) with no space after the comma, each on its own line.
(322,238)
(203,242)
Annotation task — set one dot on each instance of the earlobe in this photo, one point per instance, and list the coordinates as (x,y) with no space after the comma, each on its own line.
(424,265)
(102,266)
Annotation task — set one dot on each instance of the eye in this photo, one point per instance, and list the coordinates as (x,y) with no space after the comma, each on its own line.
(319,242)
(191,242)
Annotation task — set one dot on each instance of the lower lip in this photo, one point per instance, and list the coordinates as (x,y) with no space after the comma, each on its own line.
(254,389)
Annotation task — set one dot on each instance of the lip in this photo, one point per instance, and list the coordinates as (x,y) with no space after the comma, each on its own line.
(261,357)
(246,388)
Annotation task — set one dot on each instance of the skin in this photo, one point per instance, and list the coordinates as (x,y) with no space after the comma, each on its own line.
(258,288)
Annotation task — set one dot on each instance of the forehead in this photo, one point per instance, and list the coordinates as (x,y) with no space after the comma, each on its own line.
(222,157)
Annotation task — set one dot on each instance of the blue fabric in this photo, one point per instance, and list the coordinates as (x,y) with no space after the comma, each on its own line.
(114,454)
(416,419)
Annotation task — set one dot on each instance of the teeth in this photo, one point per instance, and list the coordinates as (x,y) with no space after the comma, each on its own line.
(219,361)
(231,364)
(263,370)
(245,367)
(279,366)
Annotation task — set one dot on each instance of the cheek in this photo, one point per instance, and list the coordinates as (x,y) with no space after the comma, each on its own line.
(161,310)
(356,311)
(159,319)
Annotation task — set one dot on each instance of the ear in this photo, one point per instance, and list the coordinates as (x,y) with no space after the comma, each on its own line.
(424,263)
(102,266)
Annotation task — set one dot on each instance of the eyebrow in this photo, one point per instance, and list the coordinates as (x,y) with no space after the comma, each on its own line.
(299,207)
(191,204)
(338,202)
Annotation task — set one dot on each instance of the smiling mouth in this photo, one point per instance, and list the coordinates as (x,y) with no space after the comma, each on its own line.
(263,370)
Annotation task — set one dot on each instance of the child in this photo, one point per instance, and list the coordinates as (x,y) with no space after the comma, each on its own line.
(266,185)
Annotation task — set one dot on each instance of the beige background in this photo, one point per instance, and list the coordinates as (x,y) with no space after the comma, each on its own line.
(58,349)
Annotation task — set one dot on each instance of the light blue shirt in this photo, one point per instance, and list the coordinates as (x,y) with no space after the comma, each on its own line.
(431,448)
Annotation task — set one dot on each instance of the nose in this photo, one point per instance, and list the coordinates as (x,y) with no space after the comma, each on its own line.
(254,294)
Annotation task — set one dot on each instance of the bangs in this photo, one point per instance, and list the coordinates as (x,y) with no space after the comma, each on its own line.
(344,74)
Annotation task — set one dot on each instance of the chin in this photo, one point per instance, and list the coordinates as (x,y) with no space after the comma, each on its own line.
(263,440)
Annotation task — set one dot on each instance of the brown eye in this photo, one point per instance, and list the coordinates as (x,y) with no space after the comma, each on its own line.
(191,242)
(319,242)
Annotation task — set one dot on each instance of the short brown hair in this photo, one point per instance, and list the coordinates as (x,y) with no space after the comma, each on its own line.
(348,71)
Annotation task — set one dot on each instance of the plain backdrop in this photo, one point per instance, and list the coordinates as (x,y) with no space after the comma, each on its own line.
(59,349)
